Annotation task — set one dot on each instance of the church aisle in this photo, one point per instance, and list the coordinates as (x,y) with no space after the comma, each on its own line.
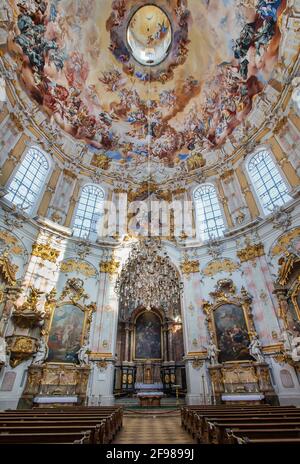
(155,429)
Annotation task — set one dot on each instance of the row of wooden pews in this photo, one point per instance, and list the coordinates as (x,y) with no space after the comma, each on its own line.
(235,424)
(80,425)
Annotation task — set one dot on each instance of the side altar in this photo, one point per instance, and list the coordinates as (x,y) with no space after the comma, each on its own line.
(55,384)
(237,366)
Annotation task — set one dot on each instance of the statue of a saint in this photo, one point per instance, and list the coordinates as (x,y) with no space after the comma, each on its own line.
(83,355)
(255,350)
(41,354)
(3,356)
(212,353)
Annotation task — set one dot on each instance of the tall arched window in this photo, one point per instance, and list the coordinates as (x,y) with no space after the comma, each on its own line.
(89,211)
(26,184)
(210,223)
(268,182)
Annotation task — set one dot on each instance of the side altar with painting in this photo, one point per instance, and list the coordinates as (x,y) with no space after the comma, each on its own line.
(60,369)
(237,367)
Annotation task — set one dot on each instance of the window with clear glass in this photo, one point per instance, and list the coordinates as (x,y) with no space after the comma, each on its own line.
(26,185)
(89,211)
(268,182)
(209,218)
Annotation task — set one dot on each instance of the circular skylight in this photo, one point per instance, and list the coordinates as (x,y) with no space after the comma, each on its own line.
(149,35)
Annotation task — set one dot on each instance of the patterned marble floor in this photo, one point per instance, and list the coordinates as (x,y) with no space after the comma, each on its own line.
(153,429)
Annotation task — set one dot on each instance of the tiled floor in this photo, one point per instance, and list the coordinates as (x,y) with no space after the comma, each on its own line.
(164,429)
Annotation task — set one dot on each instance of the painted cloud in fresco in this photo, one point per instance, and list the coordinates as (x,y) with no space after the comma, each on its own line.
(75,63)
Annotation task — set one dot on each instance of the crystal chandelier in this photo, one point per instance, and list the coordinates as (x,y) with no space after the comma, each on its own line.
(148,278)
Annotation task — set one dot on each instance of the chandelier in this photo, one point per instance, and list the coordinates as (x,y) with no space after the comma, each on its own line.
(148,279)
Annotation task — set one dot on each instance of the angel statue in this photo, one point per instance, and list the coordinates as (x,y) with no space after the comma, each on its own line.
(296,349)
(41,354)
(255,349)
(3,357)
(286,338)
(212,353)
(83,354)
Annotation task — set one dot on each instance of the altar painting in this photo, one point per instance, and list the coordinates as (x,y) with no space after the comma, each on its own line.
(65,334)
(148,336)
(232,334)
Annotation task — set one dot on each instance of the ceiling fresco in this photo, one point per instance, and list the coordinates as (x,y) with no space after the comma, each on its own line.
(213,57)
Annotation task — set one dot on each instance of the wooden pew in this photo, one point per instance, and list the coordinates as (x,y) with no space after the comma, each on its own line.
(263,437)
(197,424)
(209,423)
(46,438)
(108,419)
(107,424)
(218,433)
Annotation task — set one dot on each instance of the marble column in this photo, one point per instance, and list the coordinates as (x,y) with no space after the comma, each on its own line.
(127,332)
(170,342)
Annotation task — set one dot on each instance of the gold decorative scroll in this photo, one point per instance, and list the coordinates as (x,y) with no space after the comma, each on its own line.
(148,188)
(286,266)
(31,302)
(283,241)
(13,243)
(8,270)
(21,348)
(74,290)
(190,267)
(101,161)
(74,265)
(45,252)
(251,252)
(221,265)
(110,267)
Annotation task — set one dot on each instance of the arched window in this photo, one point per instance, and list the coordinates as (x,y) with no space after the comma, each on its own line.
(269,185)
(26,185)
(210,223)
(89,211)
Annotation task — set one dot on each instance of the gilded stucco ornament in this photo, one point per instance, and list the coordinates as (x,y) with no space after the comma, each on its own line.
(75,265)
(189,267)
(45,252)
(13,244)
(8,270)
(222,265)
(21,348)
(283,242)
(110,266)
(74,290)
(251,252)
(28,315)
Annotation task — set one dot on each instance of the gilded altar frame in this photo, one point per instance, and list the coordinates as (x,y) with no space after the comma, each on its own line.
(161,338)
(88,313)
(243,301)
(295,291)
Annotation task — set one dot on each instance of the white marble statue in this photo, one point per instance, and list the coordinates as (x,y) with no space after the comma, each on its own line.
(212,353)
(255,350)
(287,338)
(296,349)
(3,356)
(41,354)
(83,355)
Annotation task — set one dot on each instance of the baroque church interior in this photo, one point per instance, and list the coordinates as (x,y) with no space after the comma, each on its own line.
(149,218)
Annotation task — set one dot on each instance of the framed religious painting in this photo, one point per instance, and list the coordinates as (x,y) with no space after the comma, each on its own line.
(232,333)
(148,335)
(66,333)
